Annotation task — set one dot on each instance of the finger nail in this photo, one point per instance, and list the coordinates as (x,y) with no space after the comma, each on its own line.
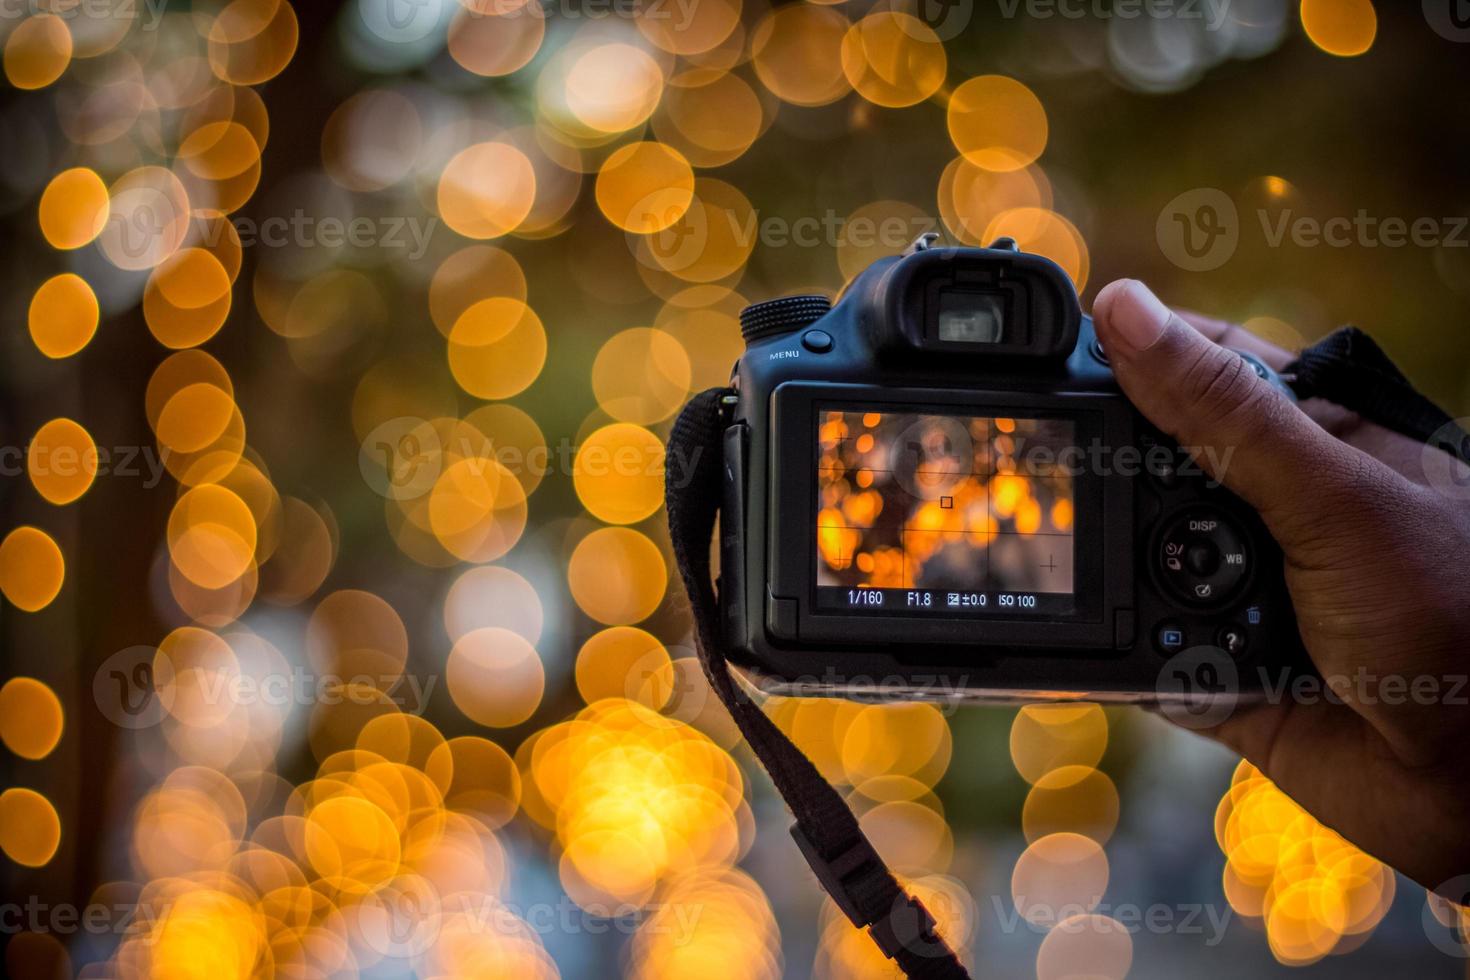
(1138,317)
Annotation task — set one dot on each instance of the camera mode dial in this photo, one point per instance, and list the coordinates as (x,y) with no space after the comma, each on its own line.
(761,320)
(1202,555)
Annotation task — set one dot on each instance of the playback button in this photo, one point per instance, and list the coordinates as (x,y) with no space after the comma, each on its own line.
(1202,557)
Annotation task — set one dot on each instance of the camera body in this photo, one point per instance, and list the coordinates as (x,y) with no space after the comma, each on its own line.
(936,489)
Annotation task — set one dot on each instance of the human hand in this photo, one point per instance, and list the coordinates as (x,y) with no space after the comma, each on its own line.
(1376,564)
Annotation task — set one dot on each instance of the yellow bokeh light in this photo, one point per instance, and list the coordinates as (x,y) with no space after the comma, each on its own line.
(304,556)
(623,662)
(356,636)
(997,123)
(893,59)
(252,41)
(1341,27)
(613,87)
(187,298)
(497,347)
(516,442)
(194,417)
(495,38)
(31,718)
(617,576)
(486,190)
(485,783)
(477,509)
(30,830)
(711,117)
(970,197)
(220,166)
(619,473)
(1045,737)
(473,273)
(211,536)
(798,54)
(712,239)
(61,461)
(37,51)
(351,843)
(1076,799)
(1315,893)
(644,187)
(495,677)
(63,315)
(641,375)
(31,568)
(693,31)
(73,208)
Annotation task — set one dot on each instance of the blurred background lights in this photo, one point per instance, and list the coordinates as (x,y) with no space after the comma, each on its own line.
(617,576)
(797,53)
(61,461)
(486,190)
(30,831)
(31,568)
(618,473)
(497,347)
(644,187)
(37,51)
(495,676)
(381,624)
(73,208)
(893,59)
(1341,27)
(997,123)
(641,375)
(30,717)
(63,315)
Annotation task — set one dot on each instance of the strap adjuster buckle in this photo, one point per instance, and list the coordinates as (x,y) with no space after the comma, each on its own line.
(839,875)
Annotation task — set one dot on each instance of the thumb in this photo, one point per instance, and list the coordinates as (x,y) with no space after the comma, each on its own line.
(1236,424)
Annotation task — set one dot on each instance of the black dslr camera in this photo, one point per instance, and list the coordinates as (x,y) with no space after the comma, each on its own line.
(936,488)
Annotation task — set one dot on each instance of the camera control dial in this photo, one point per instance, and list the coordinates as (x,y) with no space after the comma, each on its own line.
(773,317)
(1202,555)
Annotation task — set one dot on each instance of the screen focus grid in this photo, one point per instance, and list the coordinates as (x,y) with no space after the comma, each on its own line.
(942,502)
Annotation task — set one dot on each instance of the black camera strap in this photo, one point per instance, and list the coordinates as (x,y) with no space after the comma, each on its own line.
(1348,367)
(826,831)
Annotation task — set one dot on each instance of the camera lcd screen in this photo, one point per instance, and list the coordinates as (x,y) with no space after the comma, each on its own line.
(944,515)
(967,317)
